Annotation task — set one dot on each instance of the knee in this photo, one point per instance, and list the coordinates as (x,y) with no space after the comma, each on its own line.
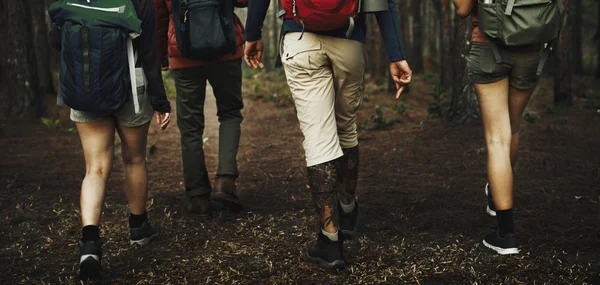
(100,169)
(498,142)
(129,159)
(234,116)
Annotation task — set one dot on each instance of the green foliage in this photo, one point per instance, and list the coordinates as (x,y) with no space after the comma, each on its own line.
(439,107)
(531,116)
(51,123)
(281,100)
(55,124)
(379,119)
(169,83)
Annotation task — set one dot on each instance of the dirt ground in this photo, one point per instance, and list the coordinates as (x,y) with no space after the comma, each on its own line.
(420,189)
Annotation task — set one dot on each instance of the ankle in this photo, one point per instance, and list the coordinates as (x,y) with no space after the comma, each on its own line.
(347,208)
(136,221)
(505,222)
(331,236)
(90,233)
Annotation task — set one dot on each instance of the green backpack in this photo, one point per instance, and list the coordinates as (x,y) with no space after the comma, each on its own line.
(521,22)
(97,72)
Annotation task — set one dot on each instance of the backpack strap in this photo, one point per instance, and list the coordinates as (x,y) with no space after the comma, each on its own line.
(509,7)
(545,55)
(131,61)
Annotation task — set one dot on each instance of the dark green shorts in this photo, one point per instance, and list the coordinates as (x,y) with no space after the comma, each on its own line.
(519,65)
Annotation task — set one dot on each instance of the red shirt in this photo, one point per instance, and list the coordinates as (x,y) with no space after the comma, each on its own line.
(168,42)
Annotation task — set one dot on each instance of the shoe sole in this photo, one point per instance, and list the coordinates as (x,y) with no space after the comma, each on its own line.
(90,268)
(227,202)
(334,265)
(502,251)
(144,241)
(487,208)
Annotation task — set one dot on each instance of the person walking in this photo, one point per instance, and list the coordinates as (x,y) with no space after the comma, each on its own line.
(324,59)
(189,47)
(505,71)
(93,68)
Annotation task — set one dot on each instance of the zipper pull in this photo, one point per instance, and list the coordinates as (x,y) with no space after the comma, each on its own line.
(185,15)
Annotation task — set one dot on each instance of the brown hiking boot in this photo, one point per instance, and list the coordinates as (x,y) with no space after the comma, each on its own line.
(224,193)
(200,206)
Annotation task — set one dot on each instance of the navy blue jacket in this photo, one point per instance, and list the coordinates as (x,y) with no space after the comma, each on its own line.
(389,23)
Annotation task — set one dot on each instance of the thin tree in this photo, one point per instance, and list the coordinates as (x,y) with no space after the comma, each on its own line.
(597,37)
(562,65)
(42,47)
(19,83)
(577,39)
(464,107)
(416,62)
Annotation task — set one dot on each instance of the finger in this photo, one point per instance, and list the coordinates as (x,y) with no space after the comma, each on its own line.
(247,60)
(157,118)
(399,92)
(259,59)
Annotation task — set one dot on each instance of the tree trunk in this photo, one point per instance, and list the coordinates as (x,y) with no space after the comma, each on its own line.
(562,68)
(19,84)
(266,37)
(446,43)
(577,40)
(464,107)
(416,63)
(275,29)
(598,40)
(42,47)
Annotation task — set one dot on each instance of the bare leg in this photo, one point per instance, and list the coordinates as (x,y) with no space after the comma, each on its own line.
(133,142)
(493,100)
(517,101)
(97,139)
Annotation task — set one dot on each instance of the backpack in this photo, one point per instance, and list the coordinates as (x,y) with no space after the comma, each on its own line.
(97,70)
(204,29)
(322,15)
(521,22)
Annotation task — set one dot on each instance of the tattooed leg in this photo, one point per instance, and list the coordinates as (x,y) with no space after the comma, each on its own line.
(348,175)
(322,179)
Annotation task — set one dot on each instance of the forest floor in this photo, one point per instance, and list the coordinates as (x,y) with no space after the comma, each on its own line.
(421,192)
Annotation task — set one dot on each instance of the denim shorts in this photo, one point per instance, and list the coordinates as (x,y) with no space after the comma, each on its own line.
(518,64)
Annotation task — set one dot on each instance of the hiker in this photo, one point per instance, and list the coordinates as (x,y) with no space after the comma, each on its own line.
(183,32)
(97,70)
(505,71)
(324,60)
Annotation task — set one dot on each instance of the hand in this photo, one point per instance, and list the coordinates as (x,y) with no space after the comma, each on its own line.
(253,54)
(164,64)
(401,74)
(163,119)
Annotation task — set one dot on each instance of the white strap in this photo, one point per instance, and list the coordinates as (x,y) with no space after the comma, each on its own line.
(131,59)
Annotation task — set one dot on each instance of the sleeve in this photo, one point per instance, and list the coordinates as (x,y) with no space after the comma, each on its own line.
(54,37)
(257,11)
(148,53)
(162,27)
(391,31)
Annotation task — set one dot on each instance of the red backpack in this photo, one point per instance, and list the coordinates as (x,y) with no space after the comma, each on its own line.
(321,15)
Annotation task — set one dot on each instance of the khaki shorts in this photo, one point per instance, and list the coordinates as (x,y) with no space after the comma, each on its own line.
(519,65)
(126,115)
(326,78)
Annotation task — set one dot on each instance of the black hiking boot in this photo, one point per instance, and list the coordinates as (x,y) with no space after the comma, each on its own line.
(142,236)
(90,260)
(349,222)
(224,193)
(327,253)
(490,209)
(506,245)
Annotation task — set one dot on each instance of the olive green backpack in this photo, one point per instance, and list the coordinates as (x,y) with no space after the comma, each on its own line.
(521,22)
